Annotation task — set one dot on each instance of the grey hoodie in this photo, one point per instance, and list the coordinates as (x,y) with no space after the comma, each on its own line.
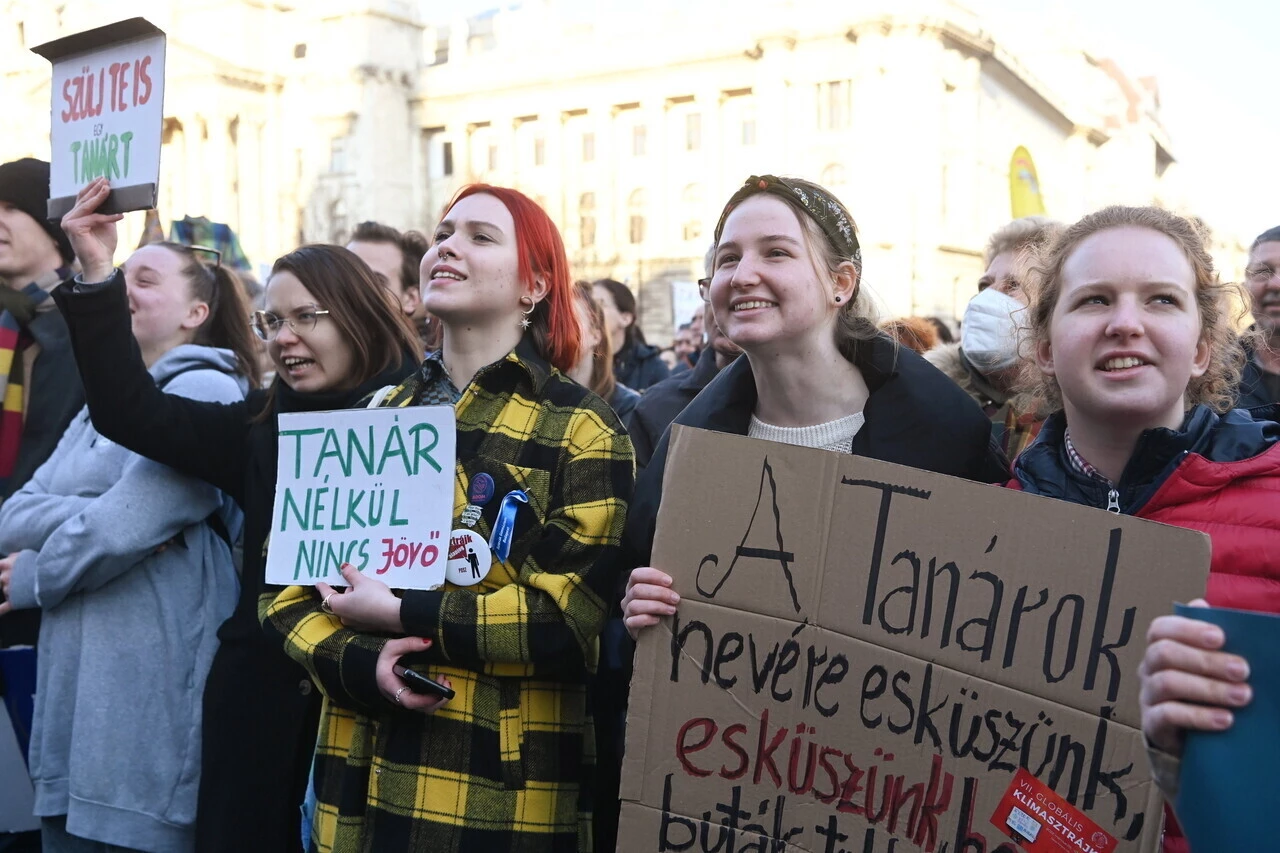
(129,629)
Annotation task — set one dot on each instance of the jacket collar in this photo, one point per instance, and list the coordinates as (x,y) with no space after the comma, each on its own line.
(727,401)
(524,360)
(1044,469)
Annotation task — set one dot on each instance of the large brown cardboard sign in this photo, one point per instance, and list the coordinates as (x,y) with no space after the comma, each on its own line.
(864,655)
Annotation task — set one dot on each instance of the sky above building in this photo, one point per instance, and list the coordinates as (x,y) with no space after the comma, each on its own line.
(1214,61)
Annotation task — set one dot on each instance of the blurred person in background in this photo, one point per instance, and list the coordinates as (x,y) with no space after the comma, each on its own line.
(39,387)
(987,361)
(635,364)
(395,257)
(1260,384)
(916,333)
(594,368)
(685,346)
(942,329)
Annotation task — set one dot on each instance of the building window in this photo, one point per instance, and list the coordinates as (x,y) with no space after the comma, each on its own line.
(588,147)
(635,209)
(299,50)
(691,212)
(493,158)
(338,155)
(749,132)
(539,151)
(587,220)
(834,105)
(693,131)
(639,140)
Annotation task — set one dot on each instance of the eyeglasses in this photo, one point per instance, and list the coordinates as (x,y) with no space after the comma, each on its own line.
(1261,274)
(214,254)
(704,288)
(267,325)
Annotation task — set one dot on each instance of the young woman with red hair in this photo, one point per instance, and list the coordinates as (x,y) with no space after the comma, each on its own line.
(507,763)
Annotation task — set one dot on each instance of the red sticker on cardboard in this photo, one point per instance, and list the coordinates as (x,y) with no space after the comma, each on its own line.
(1041,821)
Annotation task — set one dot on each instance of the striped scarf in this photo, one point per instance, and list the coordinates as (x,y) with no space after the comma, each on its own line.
(14,338)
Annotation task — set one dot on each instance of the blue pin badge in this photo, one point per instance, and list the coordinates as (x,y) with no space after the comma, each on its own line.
(479,493)
(504,527)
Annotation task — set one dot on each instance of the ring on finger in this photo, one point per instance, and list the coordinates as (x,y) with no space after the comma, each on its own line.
(399,693)
(324,605)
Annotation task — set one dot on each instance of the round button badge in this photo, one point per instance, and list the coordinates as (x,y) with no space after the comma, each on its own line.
(469,558)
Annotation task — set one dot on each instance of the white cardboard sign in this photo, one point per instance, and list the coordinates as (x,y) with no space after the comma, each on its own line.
(107,114)
(369,487)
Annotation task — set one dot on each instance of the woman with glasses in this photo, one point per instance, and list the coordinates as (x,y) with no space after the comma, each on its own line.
(544,473)
(110,545)
(335,337)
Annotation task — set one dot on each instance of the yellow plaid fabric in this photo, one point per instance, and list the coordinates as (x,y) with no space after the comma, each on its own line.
(507,764)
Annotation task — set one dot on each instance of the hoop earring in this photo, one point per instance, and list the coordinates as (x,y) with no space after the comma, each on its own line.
(524,318)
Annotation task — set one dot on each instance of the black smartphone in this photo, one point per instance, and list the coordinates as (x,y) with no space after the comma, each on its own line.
(419,683)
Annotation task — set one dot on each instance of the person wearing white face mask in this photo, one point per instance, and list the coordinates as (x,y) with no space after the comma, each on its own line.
(987,360)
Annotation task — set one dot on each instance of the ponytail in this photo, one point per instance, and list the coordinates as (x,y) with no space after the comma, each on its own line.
(227,326)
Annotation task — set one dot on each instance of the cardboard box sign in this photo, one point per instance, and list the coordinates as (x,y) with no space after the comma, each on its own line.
(107,114)
(865,654)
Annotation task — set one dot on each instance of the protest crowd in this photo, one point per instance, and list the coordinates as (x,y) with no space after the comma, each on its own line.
(183,702)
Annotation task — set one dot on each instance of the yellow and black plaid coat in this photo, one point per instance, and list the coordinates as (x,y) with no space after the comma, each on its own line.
(508,763)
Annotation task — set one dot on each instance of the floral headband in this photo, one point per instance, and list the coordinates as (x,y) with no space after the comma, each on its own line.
(821,206)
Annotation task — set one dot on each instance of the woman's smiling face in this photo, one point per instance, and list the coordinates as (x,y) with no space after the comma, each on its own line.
(766,288)
(1125,335)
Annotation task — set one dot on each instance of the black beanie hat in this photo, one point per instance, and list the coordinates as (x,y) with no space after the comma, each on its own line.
(25,185)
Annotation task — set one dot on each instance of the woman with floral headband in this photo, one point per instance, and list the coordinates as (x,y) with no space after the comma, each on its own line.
(786,286)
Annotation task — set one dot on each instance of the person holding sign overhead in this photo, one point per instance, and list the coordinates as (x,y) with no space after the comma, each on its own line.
(1136,356)
(130,563)
(786,286)
(335,337)
(543,475)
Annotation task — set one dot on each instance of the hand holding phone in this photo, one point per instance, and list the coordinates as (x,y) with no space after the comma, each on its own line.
(419,683)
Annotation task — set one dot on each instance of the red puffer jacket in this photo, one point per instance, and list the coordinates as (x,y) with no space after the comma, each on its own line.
(1218,475)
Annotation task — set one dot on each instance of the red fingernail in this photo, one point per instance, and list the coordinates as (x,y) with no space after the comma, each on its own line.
(426,642)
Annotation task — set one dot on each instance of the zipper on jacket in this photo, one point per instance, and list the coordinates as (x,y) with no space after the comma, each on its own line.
(1113,501)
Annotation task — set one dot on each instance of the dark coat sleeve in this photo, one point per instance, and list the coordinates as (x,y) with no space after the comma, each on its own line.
(642,515)
(652,371)
(55,397)
(208,441)
(642,437)
(1252,391)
